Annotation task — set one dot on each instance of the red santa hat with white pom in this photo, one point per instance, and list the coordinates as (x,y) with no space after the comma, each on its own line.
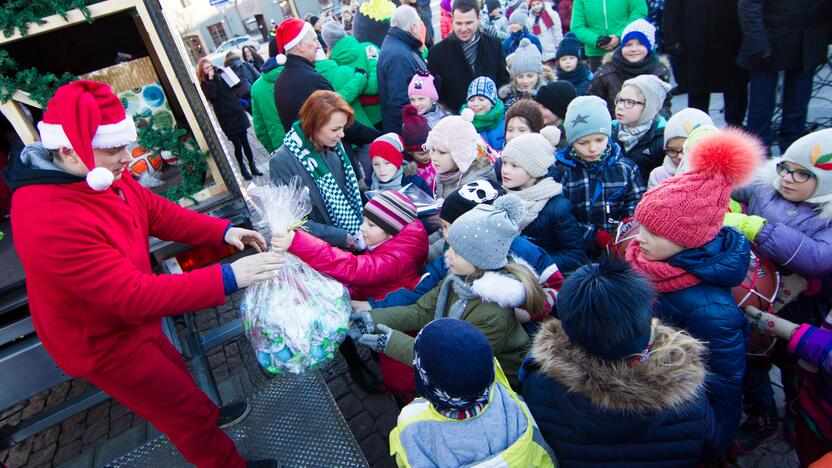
(83,115)
(289,34)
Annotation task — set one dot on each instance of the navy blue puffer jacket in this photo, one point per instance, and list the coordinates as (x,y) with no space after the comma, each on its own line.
(600,413)
(557,232)
(709,313)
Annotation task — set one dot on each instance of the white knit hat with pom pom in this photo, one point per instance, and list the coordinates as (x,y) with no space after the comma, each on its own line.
(534,152)
(484,235)
(456,134)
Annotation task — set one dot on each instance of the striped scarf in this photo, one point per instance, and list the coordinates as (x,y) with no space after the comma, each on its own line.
(344,209)
(470,50)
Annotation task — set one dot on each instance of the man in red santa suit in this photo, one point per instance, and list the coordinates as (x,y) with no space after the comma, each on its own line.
(81,228)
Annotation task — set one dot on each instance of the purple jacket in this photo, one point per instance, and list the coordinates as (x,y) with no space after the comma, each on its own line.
(813,346)
(797,236)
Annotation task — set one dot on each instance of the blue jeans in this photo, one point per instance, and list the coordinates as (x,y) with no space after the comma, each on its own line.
(797,90)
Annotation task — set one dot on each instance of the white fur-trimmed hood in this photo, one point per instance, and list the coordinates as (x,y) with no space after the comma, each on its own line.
(501,289)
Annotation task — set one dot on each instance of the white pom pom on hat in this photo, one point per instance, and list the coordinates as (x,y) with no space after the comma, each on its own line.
(100,179)
(467,114)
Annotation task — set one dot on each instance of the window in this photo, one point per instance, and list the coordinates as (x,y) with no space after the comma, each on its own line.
(217,32)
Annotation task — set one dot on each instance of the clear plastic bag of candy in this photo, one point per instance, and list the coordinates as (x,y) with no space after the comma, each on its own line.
(296,320)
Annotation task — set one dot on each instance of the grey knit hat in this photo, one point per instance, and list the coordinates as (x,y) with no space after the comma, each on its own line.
(654,91)
(587,115)
(519,16)
(526,59)
(531,151)
(483,235)
(332,32)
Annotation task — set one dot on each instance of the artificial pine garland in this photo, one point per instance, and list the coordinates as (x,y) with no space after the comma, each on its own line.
(19,14)
(40,87)
(192,165)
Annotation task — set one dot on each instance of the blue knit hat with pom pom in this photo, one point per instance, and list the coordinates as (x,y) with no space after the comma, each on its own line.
(606,309)
(483,235)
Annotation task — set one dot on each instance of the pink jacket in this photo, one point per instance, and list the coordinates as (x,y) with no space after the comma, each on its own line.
(397,263)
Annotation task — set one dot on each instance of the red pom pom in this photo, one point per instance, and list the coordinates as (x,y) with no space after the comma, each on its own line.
(732,153)
(408,109)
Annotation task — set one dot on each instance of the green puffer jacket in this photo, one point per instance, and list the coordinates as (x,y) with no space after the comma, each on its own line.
(348,83)
(593,18)
(492,313)
(364,55)
(267,126)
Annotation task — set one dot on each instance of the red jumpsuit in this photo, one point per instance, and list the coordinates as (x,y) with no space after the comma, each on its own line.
(97,306)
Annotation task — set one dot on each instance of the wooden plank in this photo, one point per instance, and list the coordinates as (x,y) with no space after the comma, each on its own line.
(25,98)
(97,10)
(20,121)
(156,47)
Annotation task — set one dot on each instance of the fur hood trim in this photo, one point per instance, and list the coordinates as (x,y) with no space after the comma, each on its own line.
(662,59)
(499,288)
(673,375)
(767,175)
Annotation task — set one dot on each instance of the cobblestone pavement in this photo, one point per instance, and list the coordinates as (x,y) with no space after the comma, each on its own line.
(102,432)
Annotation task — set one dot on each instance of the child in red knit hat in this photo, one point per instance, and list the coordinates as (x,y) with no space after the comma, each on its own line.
(390,171)
(693,262)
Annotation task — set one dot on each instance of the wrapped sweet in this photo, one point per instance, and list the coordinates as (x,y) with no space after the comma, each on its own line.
(296,320)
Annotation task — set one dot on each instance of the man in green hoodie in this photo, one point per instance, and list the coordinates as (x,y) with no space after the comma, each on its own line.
(347,51)
(599,23)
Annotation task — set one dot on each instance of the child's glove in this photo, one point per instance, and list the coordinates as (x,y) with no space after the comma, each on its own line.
(749,225)
(769,324)
(735,206)
(361,323)
(377,342)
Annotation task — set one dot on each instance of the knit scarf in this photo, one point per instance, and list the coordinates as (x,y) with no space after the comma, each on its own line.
(665,277)
(536,197)
(464,291)
(447,182)
(427,172)
(394,183)
(629,136)
(578,75)
(344,209)
(547,21)
(470,49)
(491,119)
(631,70)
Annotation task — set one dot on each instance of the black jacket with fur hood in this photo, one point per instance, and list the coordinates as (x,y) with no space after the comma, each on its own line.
(600,413)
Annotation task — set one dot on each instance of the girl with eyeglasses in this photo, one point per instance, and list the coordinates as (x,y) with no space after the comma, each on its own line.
(638,128)
(676,132)
(789,220)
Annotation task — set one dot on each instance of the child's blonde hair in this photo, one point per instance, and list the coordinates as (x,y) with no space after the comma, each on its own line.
(535,296)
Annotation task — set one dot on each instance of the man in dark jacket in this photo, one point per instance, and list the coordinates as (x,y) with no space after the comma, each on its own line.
(297,44)
(399,60)
(782,35)
(703,39)
(464,55)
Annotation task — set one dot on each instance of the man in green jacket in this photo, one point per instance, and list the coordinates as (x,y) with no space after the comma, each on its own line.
(599,24)
(347,51)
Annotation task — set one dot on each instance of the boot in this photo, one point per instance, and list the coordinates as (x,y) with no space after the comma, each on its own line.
(233,413)
(253,167)
(245,173)
(757,430)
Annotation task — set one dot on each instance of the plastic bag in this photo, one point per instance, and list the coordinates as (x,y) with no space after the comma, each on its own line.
(296,320)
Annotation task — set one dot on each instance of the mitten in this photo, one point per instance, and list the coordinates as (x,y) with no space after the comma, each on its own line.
(378,341)
(361,323)
(602,239)
(750,225)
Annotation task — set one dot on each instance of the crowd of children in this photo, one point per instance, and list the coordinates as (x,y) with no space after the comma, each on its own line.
(639,361)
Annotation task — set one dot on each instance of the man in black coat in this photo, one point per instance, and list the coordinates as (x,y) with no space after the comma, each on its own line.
(703,38)
(299,79)
(398,61)
(782,35)
(464,55)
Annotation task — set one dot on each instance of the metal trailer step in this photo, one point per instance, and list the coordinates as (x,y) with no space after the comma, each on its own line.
(293,418)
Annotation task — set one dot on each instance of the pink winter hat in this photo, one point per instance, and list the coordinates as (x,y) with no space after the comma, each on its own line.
(456,135)
(689,209)
(422,85)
